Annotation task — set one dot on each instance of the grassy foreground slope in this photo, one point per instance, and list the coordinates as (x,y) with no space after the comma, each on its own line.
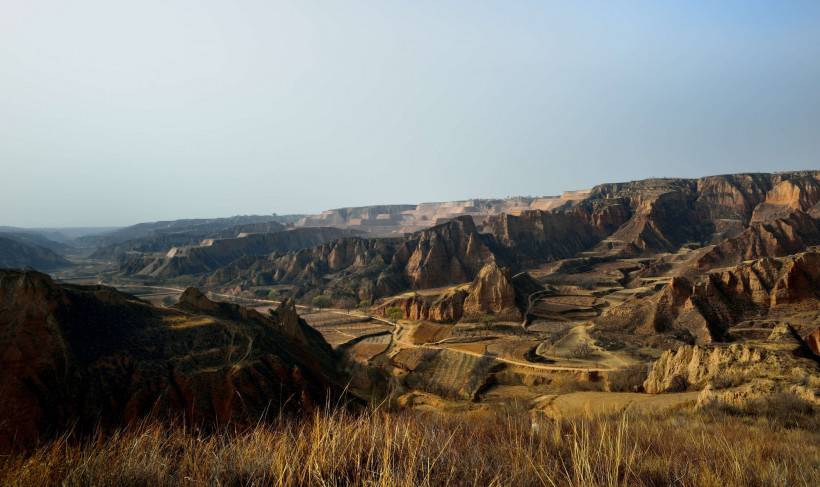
(716,448)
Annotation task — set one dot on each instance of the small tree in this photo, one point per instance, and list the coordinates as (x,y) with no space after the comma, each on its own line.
(394,313)
(321,301)
(487,321)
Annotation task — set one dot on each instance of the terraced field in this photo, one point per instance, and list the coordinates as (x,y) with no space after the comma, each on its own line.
(339,328)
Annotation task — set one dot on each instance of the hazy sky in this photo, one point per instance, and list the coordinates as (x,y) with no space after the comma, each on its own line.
(114,112)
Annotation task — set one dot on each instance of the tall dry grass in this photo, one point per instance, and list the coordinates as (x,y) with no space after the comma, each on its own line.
(381,448)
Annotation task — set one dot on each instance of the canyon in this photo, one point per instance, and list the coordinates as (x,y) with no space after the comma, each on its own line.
(658,293)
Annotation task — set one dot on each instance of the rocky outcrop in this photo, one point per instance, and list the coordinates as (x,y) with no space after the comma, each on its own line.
(707,308)
(739,374)
(692,367)
(813,341)
(733,197)
(670,311)
(660,215)
(492,293)
(644,216)
(446,254)
(15,253)
(537,236)
(367,269)
(784,236)
(362,269)
(89,355)
(798,193)
(447,307)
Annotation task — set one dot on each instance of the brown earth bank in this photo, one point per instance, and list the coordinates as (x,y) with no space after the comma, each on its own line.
(85,356)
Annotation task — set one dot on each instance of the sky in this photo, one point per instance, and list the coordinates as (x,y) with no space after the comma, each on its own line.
(115,112)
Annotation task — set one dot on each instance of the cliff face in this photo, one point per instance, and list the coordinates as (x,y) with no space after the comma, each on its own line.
(655,215)
(706,309)
(493,292)
(362,268)
(733,197)
(447,307)
(776,238)
(448,253)
(367,269)
(644,216)
(693,367)
(799,193)
(638,218)
(539,236)
(90,354)
(738,374)
(758,369)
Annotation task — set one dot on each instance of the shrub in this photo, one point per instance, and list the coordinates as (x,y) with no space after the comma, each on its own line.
(626,379)
(394,313)
(321,301)
(782,409)
(727,380)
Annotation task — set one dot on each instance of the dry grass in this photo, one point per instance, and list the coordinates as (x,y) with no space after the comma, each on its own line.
(406,449)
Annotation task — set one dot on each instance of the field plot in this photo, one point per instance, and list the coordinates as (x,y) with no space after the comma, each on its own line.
(339,328)
(368,347)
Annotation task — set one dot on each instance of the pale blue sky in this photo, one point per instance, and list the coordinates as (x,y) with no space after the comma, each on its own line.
(115,112)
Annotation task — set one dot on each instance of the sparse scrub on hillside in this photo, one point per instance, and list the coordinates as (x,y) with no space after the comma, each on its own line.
(394,313)
(728,379)
(493,329)
(321,301)
(783,409)
(626,379)
(487,321)
(582,351)
(407,449)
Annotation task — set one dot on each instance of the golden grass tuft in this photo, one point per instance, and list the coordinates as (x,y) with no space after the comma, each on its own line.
(411,449)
